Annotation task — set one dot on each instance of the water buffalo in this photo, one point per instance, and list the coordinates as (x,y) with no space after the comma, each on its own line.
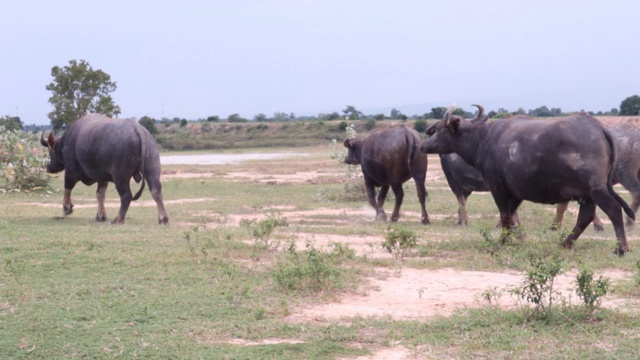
(543,161)
(625,172)
(389,157)
(99,149)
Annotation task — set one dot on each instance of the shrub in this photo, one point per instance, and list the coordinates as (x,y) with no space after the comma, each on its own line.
(590,291)
(399,240)
(538,285)
(22,162)
(420,125)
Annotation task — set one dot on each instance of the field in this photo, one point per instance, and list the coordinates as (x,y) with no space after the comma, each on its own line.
(269,259)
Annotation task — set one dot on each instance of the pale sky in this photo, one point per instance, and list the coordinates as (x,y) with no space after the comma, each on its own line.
(193,59)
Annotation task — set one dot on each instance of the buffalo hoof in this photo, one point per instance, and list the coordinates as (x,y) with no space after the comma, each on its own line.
(620,252)
(425,221)
(117,221)
(567,245)
(163,221)
(598,228)
(101,217)
(67,210)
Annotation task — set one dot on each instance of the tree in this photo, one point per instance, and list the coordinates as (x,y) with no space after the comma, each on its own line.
(352,113)
(214,118)
(438,112)
(260,117)
(78,90)
(420,125)
(630,106)
(11,122)
(395,114)
(149,124)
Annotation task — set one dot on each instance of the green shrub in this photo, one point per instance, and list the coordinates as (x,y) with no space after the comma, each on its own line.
(22,162)
(399,240)
(590,291)
(538,285)
(420,125)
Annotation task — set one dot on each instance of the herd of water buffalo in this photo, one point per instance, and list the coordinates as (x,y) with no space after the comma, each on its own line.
(517,158)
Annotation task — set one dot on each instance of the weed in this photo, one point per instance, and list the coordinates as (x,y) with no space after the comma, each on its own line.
(538,285)
(591,291)
(399,240)
(264,229)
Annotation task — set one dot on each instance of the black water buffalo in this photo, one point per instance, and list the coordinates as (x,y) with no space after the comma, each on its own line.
(625,172)
(389,157)
(98,149)
(543,161)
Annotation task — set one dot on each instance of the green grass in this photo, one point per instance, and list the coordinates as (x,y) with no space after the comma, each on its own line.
(74,288)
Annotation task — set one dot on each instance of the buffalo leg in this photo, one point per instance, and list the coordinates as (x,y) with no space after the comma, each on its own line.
(156,192)
(613,209)
(561,208)
(422,197)
(399,193)
(508,210)
(67,205)
(382,197)
(585,216)
(100,195)
(463,217)
(632,184)
(124,190)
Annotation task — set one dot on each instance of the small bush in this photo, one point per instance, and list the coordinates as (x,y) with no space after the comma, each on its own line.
(399,240)
(22,163)
(420,125)
(312,270)
(263,230)
(590,291)
(538,285)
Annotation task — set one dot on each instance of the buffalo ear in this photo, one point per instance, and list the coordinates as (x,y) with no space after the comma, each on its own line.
(347,144)
(453,125)
(51,140)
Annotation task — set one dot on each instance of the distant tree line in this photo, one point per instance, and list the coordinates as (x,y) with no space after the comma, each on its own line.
(77,89)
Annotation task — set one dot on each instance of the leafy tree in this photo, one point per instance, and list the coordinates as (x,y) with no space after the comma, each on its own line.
(630,106)
(183,123)
(491,114)
(260,117)
(438,112)
(149,124)
(280,116)
(235,118)
(614,111)
(352,112)
(11,122)
(378,117)
(420,125)
(78,89)
(214,118)
(369,124)
(395,114)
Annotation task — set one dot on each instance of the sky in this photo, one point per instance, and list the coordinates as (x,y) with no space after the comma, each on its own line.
(193,59)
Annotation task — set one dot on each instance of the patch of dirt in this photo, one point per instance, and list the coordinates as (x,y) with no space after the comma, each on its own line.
(415,294)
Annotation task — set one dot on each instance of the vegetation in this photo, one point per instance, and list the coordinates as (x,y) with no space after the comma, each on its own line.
(206,286)
(22,163)
(77,89)
(630,106)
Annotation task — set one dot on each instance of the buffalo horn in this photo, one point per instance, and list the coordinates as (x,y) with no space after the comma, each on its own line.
(43,141)
(447,114)
(480,112)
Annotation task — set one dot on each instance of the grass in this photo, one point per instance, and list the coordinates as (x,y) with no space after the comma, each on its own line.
(74,288)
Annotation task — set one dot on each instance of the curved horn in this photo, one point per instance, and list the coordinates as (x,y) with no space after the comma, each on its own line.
(447,114)
(43,141)
(480,112)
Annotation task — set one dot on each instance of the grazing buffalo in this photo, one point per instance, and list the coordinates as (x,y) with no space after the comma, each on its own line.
(626,170)
(99,149)
(543,161)
(389,157)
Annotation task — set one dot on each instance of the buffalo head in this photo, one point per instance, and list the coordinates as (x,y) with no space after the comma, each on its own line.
(56,161)
(443,134)
(355,149)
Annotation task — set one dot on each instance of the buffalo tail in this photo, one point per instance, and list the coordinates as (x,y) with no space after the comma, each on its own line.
(143,154)
(620,200)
